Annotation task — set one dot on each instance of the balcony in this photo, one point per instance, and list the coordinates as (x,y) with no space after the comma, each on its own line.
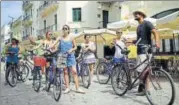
(47,8)
(27,5)
(109,3)
(51,28)
(28,17)
(17,22)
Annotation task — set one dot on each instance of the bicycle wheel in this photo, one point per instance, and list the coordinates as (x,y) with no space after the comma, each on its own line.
(159,88)
(47,80)
(57,88)
(133,73)
(36,80)
(11,76)
(86,76)
(24,72)
(119,80)
(102,73)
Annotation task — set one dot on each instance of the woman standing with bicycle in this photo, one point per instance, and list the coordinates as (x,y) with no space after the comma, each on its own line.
(43,44)
(68,45)
(89,49)
(12,48)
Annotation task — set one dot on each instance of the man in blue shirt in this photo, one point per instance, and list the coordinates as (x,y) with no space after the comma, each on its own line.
(144,31)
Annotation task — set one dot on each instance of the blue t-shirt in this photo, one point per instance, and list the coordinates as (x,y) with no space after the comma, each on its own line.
(13,58)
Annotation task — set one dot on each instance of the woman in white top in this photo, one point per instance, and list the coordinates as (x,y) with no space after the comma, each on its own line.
(89,49)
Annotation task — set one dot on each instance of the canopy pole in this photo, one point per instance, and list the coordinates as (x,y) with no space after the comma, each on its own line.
(96,47)
(174,44)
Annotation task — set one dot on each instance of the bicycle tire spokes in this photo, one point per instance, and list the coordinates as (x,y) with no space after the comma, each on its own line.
(57,88)
(160,90)
(37,80)
(119,80)
(103,74)
(85,75)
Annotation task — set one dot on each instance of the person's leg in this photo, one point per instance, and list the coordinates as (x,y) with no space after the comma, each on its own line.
(75,76)
(66,77)
(91,67)
(140,60)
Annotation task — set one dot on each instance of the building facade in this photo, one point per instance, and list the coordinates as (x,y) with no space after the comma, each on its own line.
(79,15)
(5,36)
(16,28)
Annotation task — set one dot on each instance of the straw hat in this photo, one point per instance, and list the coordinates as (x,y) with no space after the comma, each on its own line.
(141,12)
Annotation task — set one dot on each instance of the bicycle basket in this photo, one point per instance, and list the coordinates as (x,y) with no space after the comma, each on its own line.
(61,60)
(39,61)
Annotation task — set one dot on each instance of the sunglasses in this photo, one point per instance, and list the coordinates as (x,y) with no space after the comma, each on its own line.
(65,29)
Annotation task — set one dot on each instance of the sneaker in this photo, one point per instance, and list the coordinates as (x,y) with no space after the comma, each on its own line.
(141,87)
(80,91)
(67,90)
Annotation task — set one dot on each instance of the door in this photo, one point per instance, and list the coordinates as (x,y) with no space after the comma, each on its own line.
(105,18)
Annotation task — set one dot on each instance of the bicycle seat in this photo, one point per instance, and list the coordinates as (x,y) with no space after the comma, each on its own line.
(108,57)
(125,52)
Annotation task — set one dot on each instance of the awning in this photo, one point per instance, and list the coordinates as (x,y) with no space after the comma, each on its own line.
(128,23)
(170,21)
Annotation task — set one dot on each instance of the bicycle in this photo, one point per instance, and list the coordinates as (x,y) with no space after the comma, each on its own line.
(83,71)
(26,62)
(14,72)
(54,73)
(122,82)
(105,67)
(39,62)
(173,66)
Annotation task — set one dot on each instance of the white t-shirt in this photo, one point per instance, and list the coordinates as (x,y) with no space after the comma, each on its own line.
(118,53)
(88,54)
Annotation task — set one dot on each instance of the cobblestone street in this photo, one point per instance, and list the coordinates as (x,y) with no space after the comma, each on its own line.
(23,94)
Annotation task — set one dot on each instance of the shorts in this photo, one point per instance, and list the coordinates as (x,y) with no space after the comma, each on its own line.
(71,61)
(140,59)
(118,60)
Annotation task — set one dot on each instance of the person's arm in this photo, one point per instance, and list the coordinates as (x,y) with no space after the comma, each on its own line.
(157,38)
(74,47)
(155,33)
(92,47)
(55,43)
(32,41)
(40,44)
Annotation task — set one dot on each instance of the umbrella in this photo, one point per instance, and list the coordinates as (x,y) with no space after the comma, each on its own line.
(100,35)
(128,23)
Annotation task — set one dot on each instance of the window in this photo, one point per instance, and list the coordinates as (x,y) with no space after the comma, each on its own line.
(165,13)
(55,17)
(76,13)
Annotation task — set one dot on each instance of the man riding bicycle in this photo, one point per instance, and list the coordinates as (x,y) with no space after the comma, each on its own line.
(144,31)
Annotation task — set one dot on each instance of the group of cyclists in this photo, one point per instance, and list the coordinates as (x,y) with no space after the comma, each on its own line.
(65,43)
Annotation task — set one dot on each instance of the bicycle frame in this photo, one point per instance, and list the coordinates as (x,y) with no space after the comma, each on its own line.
(140,75)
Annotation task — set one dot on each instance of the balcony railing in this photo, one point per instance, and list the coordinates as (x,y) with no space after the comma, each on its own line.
(46,4)
(28,17)
(49,28)
(27,5)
